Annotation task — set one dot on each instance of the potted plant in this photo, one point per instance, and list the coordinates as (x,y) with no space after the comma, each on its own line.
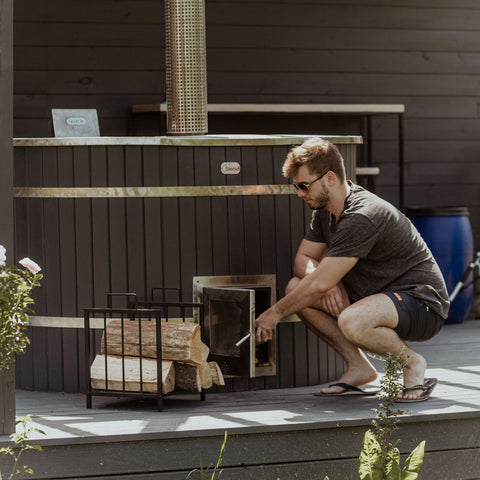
(15,301)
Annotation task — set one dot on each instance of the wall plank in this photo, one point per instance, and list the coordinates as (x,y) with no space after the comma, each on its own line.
(331,15)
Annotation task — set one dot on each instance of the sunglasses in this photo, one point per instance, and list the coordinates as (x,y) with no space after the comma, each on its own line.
(305,187)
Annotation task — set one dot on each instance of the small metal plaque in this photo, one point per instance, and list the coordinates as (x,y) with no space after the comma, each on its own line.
(230,168)
(75,122)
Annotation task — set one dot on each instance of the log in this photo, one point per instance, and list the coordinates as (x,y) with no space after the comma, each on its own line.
(132,374)
(217,375)
(180,341)
(205,375)
(187,377)
(193,378)
(205,352)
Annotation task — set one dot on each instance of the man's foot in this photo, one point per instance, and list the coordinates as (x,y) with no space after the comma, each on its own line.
(353,377)
(426,389)
(413,374)
(347,390)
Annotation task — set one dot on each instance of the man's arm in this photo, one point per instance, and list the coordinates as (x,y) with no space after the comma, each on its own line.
(309,290)
(308,257)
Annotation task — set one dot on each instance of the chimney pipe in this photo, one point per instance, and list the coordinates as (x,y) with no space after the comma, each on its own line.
(186,66)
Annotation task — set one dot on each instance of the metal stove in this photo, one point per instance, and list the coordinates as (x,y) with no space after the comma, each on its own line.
(231,304)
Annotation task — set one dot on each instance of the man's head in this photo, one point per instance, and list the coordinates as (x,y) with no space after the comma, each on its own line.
(319,155)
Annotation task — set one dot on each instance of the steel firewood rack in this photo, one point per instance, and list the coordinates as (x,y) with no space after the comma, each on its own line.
(139,311)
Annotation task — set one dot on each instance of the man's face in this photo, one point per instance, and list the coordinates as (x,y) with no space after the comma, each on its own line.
(312,188)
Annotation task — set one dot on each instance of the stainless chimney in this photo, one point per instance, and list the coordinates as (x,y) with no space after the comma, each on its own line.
(186,67)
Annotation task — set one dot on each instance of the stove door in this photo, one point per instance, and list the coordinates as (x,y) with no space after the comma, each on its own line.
(229,316)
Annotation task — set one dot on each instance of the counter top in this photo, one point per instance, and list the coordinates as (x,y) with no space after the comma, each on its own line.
(333,108)
(191,141)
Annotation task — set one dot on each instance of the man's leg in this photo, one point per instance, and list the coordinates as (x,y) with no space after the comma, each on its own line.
(323,322)
(369,323)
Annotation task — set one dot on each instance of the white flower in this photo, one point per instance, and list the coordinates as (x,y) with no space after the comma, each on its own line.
(3,255)
(30,264)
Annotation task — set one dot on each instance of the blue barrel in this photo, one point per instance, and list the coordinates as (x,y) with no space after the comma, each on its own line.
(448,234)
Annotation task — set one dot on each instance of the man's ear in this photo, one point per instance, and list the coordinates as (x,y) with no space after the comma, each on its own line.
(331,178)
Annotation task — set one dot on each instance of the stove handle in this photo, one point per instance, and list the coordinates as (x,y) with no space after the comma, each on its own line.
(244,339)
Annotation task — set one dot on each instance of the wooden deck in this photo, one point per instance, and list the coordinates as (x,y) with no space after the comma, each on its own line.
(274,434)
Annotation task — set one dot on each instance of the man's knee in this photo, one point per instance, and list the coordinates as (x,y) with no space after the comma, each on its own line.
(350,325)
(291,285)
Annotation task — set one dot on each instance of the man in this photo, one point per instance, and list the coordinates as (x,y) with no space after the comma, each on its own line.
(364,278)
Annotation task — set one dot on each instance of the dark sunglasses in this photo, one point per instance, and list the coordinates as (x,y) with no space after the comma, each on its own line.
(305,187)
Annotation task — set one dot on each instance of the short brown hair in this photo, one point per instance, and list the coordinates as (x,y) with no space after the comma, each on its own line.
(319,155)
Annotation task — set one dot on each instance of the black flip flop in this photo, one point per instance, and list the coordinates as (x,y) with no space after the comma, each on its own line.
(427,389)
(350,390)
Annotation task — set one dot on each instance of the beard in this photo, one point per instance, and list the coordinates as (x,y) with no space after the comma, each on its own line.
(320,202)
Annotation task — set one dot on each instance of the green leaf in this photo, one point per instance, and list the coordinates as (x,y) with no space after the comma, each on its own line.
(392,465)
(370,458)
(15,288)
(414,462)
(6,451)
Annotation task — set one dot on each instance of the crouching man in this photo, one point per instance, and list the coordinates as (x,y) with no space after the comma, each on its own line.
(364,277)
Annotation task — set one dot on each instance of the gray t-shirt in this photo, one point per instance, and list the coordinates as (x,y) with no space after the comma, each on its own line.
(392,254)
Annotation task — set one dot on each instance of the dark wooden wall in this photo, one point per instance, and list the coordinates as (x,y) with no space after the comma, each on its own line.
(109,54)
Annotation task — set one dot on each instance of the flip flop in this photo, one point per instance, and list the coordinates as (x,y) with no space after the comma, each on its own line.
(427,389)
(350,390)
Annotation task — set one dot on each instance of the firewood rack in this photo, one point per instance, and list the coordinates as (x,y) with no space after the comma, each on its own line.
(150,311)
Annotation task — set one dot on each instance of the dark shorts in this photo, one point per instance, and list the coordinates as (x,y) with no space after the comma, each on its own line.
(416,321)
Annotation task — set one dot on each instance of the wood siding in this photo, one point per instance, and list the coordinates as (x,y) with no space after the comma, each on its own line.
(110,54)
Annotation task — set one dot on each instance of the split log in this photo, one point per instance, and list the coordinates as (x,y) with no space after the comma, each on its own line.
(132,374)
(193,378)
(217,375)
(205,375)
(187,377)
(205,352)
(180,341)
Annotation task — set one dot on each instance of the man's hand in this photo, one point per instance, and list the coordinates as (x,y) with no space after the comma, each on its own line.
(332,301)
(265,324)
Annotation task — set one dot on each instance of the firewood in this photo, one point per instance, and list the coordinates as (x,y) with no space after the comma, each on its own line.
(205,352)
(187,377)
(205,375)
(131,365)
(217,375)
(180,341)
